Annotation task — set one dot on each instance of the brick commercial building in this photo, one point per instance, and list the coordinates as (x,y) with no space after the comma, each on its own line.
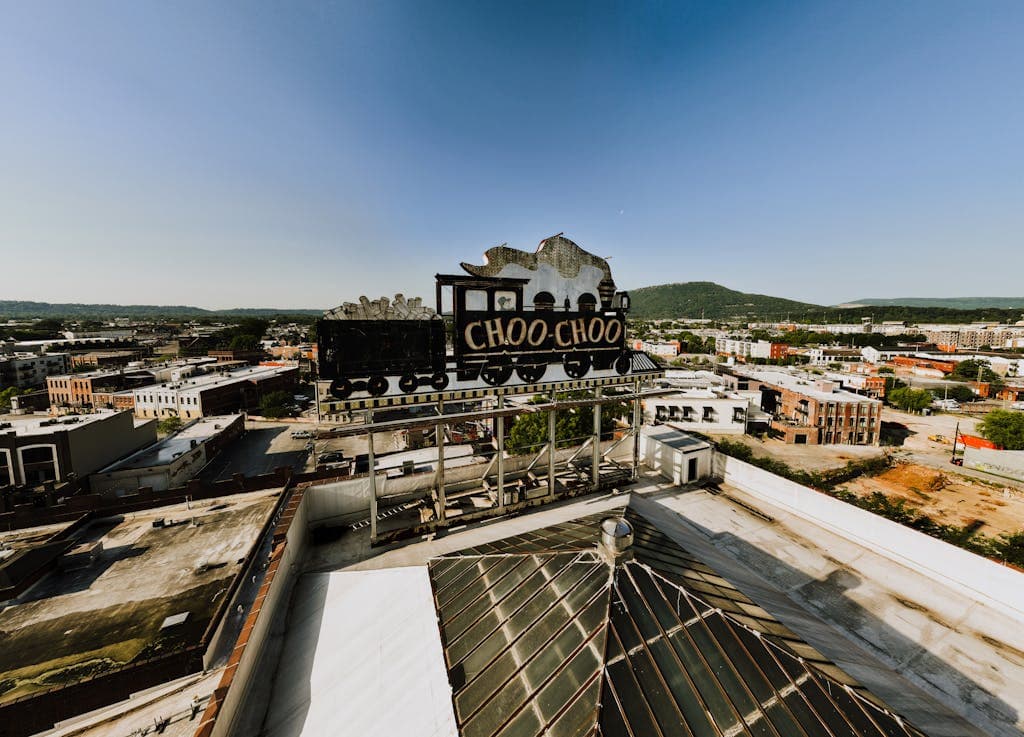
(35,450)
(816,412)
(79,390)
(214,393)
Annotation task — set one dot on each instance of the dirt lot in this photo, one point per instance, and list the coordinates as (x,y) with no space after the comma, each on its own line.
(806,457)
(921,427)
(948,497)
(78,623)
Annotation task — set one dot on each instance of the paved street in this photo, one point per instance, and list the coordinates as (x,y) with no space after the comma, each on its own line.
(264,447)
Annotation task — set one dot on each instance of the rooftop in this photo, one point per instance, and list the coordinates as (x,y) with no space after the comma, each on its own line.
(806,385)
(166,450)
(108,613)
(721,619)
(210,380)
(44,424)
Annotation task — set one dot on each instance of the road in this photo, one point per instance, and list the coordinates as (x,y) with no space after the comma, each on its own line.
(264,447)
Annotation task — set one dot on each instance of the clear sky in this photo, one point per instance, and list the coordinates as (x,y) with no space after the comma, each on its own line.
(297,155)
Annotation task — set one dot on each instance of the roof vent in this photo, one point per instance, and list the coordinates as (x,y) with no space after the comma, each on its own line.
(616,536)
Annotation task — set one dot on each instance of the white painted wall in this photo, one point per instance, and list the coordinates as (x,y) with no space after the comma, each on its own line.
(673,463)
(1008,463)
(979,578)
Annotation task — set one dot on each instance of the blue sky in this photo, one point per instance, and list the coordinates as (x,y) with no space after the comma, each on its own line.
(298,155)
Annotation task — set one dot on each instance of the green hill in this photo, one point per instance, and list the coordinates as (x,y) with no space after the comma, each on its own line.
(706,299)
(956,303)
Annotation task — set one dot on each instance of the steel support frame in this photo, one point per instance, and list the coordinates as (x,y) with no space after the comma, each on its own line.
(372,468)
(439,499)
(552,446)
(595,457)
(501,454)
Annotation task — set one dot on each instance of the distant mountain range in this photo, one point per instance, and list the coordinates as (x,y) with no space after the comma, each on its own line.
(713,301)
(11,309)
(689,299)
(706,299)
(956,303)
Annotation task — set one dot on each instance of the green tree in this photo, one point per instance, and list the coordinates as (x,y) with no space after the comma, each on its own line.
(5,397)
(244,343)
(572,426)
(910,400)
(275,404)
(1004,428)
(168,425)
(959,392)
(972,370)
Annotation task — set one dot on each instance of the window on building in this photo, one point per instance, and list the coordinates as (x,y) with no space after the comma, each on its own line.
(544,302)
(476,300)
(505,301)
(6,470)
(39,464)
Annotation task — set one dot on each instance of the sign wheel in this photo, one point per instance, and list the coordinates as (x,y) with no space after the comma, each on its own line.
(528,371)
(497,370)
(341,388)
(408,383)
(377,385)
(576,365)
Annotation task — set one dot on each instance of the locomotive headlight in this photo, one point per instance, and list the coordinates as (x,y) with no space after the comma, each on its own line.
(621,301)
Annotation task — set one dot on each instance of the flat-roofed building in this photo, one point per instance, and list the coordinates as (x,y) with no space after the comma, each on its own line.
(172,461)
(815,411)
(743,349)
(78,390)
(703,410)
(23,370)
(214,393)
(34,450)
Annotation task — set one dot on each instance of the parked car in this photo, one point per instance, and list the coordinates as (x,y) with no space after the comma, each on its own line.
(1017,405)
(299,434)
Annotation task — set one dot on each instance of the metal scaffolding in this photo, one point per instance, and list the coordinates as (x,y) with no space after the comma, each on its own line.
(579,473)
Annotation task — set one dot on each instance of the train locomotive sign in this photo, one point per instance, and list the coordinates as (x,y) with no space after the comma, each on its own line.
(520,319)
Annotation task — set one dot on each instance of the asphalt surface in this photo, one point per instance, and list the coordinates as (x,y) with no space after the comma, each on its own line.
(264,447)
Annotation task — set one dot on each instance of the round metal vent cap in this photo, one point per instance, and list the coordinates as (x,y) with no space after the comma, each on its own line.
(616,534)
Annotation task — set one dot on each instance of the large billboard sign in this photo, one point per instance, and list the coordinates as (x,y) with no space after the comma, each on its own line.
(552,313)
(483,333)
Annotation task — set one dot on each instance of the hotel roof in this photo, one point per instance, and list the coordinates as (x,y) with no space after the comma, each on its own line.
(528,627)
(544,634)
(45,425)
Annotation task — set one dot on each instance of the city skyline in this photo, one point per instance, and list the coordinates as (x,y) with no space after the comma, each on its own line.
(295,157)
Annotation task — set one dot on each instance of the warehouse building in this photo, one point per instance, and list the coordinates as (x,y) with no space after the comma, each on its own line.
(36,450)
(172,461)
